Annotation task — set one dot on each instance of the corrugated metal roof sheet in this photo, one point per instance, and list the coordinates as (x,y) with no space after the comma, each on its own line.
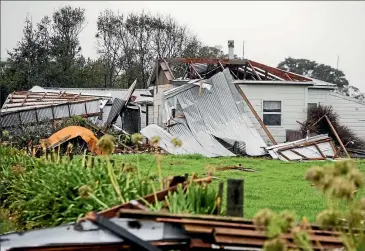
(216,113)
(119,104)
(87,233)
(25,100)
(108,92)
(189,145)
(41,114)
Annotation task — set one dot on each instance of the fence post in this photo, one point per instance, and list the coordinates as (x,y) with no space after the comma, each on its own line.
(235,195)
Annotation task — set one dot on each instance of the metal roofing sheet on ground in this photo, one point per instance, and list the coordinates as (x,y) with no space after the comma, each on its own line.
(182,132)
(188,147)
(216,113)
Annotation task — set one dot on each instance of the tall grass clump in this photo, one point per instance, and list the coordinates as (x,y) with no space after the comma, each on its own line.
(43,193)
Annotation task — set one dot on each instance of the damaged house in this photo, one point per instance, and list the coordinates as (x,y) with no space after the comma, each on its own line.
(128,110)
(227,106)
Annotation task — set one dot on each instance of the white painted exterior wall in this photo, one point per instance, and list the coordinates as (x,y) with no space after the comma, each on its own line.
(294,100)
(293,107)
(158,111)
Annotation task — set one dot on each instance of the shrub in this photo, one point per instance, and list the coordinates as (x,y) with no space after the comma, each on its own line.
(346,135)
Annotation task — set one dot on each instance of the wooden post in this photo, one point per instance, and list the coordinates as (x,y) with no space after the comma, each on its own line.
(219,198)
(235,194)
(47,153)
(337,137)
(256,115)
(92,162)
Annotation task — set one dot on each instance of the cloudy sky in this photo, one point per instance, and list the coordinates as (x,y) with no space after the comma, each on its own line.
(271,30)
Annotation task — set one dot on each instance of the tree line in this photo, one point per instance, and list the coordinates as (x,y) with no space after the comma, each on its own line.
(49,53)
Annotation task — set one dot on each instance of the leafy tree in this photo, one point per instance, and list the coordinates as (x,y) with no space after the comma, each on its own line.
(314,70)
(65,47)
(48,54)
(28,61)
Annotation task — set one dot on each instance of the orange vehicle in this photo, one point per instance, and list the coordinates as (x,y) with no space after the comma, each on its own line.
(72,132)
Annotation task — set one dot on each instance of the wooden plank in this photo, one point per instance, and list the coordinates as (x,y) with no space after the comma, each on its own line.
(256,115)
(337,137)
(298,153)
(254,71)
(319,150)
(285,157)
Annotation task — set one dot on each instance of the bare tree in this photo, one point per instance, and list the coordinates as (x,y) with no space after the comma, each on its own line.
(129,45)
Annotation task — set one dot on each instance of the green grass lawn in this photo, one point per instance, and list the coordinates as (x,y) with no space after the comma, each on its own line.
(276,185)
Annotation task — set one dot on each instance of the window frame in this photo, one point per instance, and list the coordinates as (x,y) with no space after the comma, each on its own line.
(273,113)
(312,103)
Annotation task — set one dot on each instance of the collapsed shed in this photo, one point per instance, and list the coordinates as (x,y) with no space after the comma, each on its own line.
(39,105)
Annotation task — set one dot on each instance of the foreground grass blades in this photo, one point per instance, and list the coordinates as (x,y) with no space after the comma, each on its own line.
(42,193)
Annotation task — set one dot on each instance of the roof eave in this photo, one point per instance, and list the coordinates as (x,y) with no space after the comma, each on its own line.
(271,82)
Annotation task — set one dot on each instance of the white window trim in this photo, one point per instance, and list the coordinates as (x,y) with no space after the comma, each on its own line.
(281,111)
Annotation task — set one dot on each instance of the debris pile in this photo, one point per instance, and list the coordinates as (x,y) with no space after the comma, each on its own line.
(314,148)
(208,119)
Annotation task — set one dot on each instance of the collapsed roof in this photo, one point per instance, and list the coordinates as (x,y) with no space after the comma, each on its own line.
(206,111)
(247,70)
(208,119)
(41,104)
(27,107)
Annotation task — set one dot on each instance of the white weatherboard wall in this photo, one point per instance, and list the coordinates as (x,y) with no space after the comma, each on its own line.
(293,107)
(351,112)
(158,103)
(319,96)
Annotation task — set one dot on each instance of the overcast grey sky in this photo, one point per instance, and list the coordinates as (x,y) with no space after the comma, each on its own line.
(272,30)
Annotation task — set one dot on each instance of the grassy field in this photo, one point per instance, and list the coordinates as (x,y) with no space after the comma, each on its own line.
(276,185)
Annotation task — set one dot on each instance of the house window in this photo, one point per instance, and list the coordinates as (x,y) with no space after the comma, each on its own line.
(312,105)
(272,113)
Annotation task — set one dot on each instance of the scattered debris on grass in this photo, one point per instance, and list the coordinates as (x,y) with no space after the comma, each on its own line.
(239,167)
